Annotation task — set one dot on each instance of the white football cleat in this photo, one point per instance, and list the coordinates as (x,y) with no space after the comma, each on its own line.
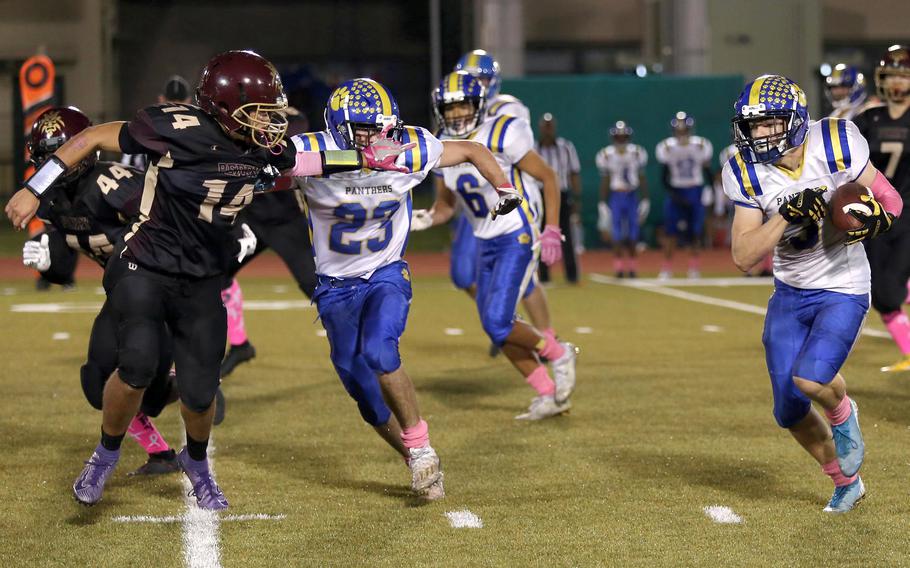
(425,471)
(564,372)
(544,406)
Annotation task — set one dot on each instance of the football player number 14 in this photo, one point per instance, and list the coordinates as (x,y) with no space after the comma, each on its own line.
(181,121)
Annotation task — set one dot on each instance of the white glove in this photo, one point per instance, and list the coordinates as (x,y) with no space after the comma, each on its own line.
(421,220)
(644,207)
(603,216)
(247,242)
(37,254)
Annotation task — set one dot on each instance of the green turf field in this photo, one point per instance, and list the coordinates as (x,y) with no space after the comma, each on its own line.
(668,419)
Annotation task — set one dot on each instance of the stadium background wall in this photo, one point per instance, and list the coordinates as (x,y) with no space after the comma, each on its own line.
(586,107)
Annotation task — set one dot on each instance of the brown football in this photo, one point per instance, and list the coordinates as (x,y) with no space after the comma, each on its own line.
(846,199)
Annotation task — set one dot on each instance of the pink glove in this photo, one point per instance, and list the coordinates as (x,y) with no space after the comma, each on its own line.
(551,245)
(381,154)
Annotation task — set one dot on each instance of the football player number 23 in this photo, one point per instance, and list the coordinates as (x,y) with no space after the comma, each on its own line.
(355,217)
(475,201)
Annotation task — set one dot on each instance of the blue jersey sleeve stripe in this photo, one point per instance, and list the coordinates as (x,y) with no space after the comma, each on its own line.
(844,146)
(829,149)
(306,143)
(734,167)
(490,137)
(321,141)
(409,155)
(422,145)
(502,135)
(746,205)
(753,177)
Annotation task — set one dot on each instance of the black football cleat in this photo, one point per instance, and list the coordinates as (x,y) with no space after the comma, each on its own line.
(158,464)
(236,355)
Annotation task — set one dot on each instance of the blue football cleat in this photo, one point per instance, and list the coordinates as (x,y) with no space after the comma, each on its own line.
(848,441)
(846,497)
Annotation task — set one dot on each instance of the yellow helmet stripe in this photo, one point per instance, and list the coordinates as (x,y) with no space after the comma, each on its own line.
(472,60)
(754,91)
(383,97)
(453,82)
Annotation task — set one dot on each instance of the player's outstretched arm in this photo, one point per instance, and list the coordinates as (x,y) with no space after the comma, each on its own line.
(24,203)
(752,239)
(456,152)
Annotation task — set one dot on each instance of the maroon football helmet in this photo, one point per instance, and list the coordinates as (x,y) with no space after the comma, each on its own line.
(243,92)
(51,130)
(896,61)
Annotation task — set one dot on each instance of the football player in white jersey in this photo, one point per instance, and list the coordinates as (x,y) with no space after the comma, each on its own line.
(507,246)
(360,222)
(845,89)
(786,170)
(484,67)
(622,170)
(686,160)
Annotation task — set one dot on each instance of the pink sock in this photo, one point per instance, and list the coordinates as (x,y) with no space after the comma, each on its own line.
(666,266)
(232,298)
(899,328)
(618,265)
(694,263)
(417,436)
(146,435)
(840,414)
(632,265)
(832,470)
(551,349)
(540,380)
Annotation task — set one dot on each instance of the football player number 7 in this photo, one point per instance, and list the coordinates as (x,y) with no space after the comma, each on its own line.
(894,149)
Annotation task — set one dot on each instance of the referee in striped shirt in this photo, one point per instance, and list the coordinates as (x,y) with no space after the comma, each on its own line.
(560,155)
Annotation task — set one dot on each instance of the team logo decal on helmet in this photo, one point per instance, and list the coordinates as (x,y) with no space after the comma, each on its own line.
(359,109)
(243,92)
(484,66)
(621,132)
(456,88)
(52,129)
(682,121)
(778,103)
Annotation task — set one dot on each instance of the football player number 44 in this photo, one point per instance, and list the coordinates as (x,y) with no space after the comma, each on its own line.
(110,183)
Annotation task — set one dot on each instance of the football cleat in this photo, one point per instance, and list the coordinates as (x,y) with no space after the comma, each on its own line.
(207,493)
(848,440)
(90,483)
(564,372)
(236,355)
(158,463)
(425,471)
(902,365)
(544,406)
(846,497)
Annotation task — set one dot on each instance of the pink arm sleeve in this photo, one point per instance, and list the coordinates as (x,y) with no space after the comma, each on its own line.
(884,193)
(308,164)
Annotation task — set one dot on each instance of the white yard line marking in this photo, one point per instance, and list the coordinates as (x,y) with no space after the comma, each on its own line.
(584,330)
(723,515)
(181,518)
(201,547)
(453,331)
(712,328)
(464,519)
(650,286)
(719,282)
(88,307)
(60,336)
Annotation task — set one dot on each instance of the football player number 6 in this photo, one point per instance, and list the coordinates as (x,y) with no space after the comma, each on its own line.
(475,201)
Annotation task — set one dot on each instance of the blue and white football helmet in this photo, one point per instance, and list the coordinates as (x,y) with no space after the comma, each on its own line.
(845,76)
(621,132)
(484,66)
(682,123)
(769,97)
(361,104)
(457,87)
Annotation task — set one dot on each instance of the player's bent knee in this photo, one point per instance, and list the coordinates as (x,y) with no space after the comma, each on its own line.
(373,412)
(382,355)
(93,378)
(498,330)
(790,413)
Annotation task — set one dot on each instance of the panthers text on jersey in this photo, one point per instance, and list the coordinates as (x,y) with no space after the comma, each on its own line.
(360,220)
(686,161)
(809,256)
(95,211)
(501,105)
(889,145)
(622,164)
(509,138)
(197,181)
